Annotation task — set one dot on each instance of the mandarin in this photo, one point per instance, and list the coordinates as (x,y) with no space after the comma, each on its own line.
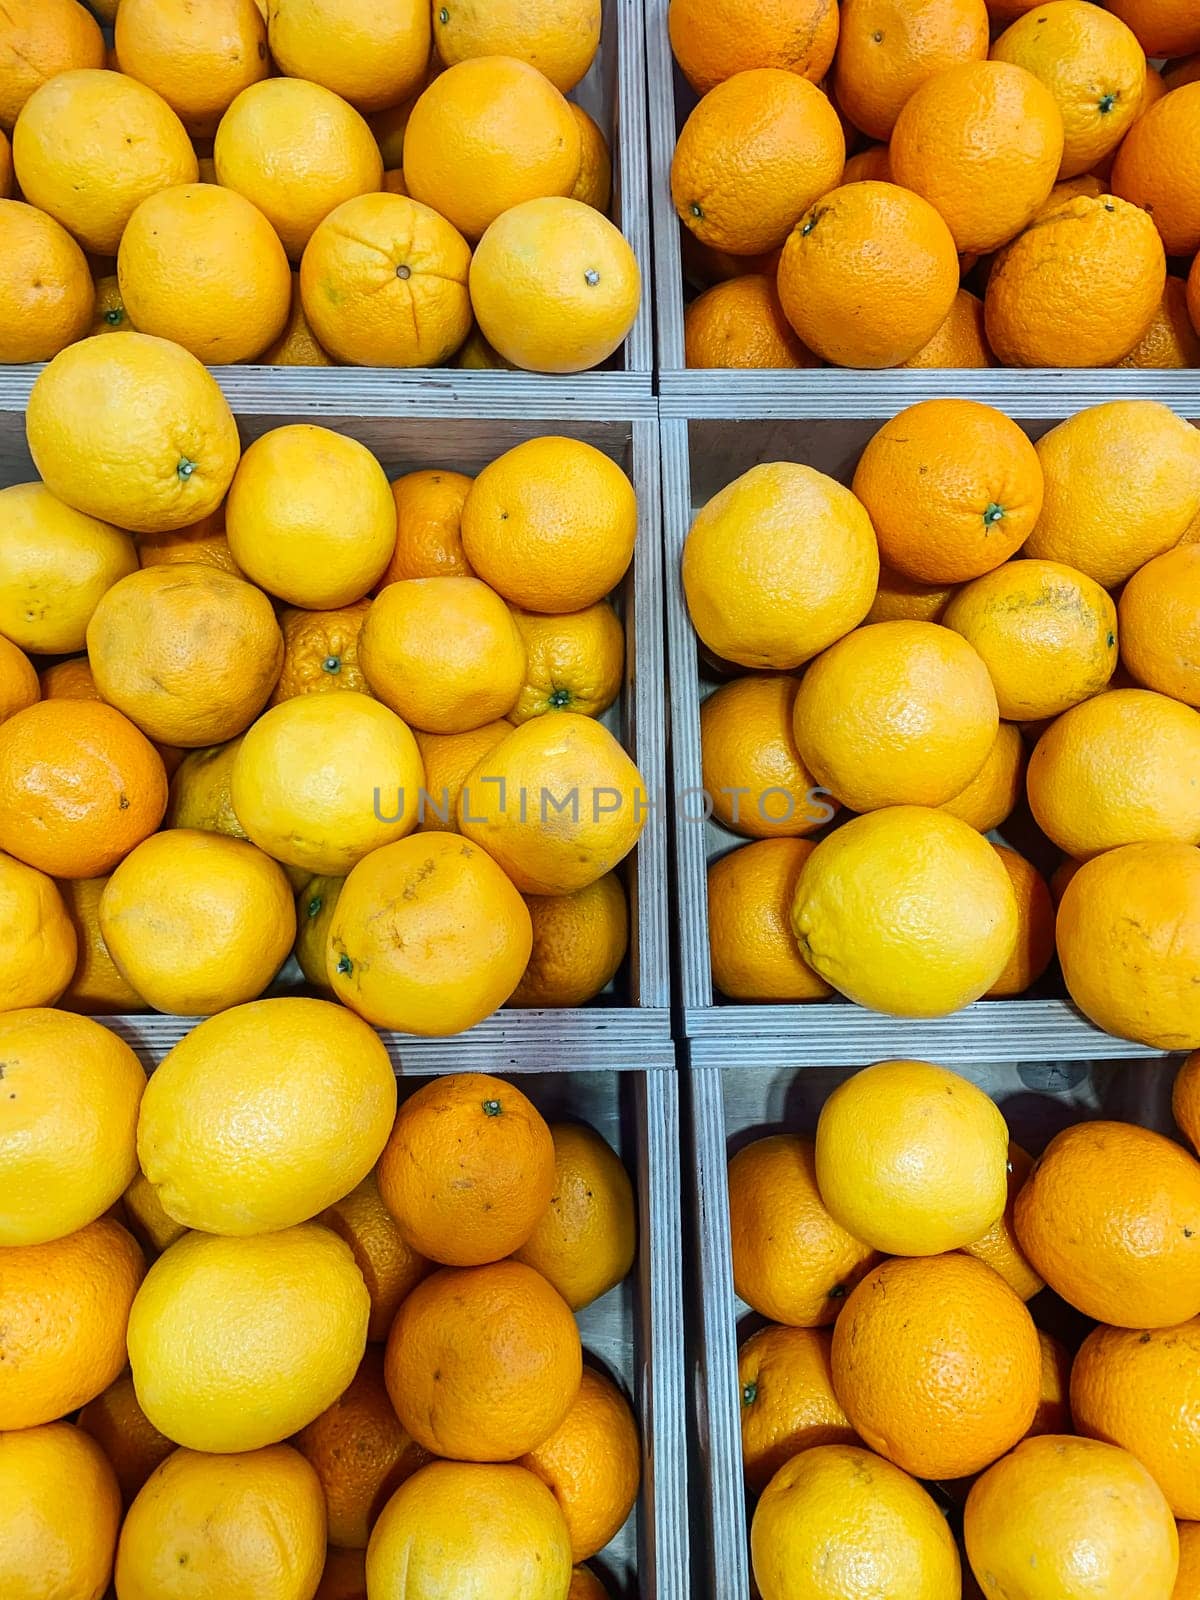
(429,508)
(130,1441)
(389,1267)
(788,1403)
(579,943)
(752,950)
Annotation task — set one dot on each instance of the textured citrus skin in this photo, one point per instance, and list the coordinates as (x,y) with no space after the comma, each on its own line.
(559,40)
(389,1267)
(1163,27)
(1158,619)
(579,943)
(900,599)
(996,789)
(199,793)
(1053,1414)
(449,758)
(371,57)
(592,1464)
(148,1222)
(320,652)
(41,39)
(792,1261)
(887,50)
(19,682)
(750,765)
(998,1247)
(752,948)
(56,566)
(1034,949)
(429,507)
(740,323)
(62,1513)
(787,1400)
(574,662)
(97,986)
(1109,1218)
(1171,340)
(131,1443)
(1185,1100)
(1153,171)
(296,346)
(46,291)
(199,63)
(40,946)
(711,41)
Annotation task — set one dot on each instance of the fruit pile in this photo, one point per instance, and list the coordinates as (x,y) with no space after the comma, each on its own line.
(938,1404)
(310,182)
(380,698)
(249,1309)
(940,183)
(982,633)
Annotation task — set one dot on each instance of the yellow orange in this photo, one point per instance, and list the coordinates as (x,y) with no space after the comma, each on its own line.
(372,58)
(559,40)
(47,296)
(584,1241)
(64,1511)
(198,61)
(41,39)
(55,567)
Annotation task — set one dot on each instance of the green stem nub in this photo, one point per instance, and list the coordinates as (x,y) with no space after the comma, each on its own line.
(185,468)
(345,966)
(992,515)
(696,211)
(443,16)
(559,698)
(1107,103)
(332,664)
(749,1394)
(491,1108)
(314,905)
(115,317)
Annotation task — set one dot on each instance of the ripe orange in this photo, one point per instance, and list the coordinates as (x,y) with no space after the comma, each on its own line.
(886,51)
(46,291)
(199,794)
(68,680)
(97,986)
(574,662)
(899,599)
(63,1513)
(320,652)
(961,341)
(559,40)
(1171,340)
(429,507)
(198,61)
(740,323)
(1159,621)
(1154,171)
(41,39)
(788,1403)
(130,1441)
(1163,27)
(1185,1100)
(40,946)
(1053,1414)
(202,541)
(19,683)
(752,949)
(713,41)
(996,790)
(296,346)
(149,1223)
(592,1464)
(1034,949)
(594,184)
(750,766)
(870,164)
(371,57)
(998,1247)
(449,759)
(579,943)
(389,1267)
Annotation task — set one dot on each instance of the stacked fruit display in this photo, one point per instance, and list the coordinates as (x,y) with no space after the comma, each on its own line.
(940,183)
(937,1405)
(306,183)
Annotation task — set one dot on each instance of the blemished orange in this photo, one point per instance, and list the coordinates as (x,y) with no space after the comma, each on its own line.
(1098,516)
(46,291)
(899,599)
(998,1247)
(495,1527)
(953,489)
(791,1261)
(584,1242)
(361,1454)
(389,1267)
(429,508)
(592,1464)
(295,150)
(551,524)
(777,565)
(64,1511)
(1153,170)
(79,787)
(905,1336)
(752,950)
(468,1169)
(740,323)
(1078,288)
(90,145)
(444,653)
(320,652)
(198,61)
(839,1517)
(573,662)
(40,945)
(1159,616)
(750,766)
(97,986)
(64,1308)
(983,143)
(855,304)
(19,683)
(296,346)
(1163,27)
(1108,1217)
(486,135)
(1071,1519)
(996,790)
(579,943)
(960,342)
(713,41)
(897,713)
(383,282)
(555,286)
(449,758)
(41,39)
(1034,949)
(189,653)
(483,1363)
(1171,340)
(559,40)
(887,50)
(787,1400)
(753,156)
(370,57)
(594,184)
(131,1443)
(1116,770)
(199,793)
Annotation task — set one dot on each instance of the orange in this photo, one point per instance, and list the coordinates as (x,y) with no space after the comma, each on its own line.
(129,1440)
(198,62)
(79,787)
(740,323)
(187,652)
(46,291)
(983,143)
(713,41)
(487,134)
(449,759)
(1107,1218)
(838,1517)
(316,902)
(345,1576)
(1185,1100)
(310,516)
(6,169)
(998,1247)
(41,39)
(898,713)
(483,1363)
(1160,622)
(1171,339)
(360,1453)
(788,1403)
(296,151)
(387,242)
(19,684)
(296,346)
(389,1267)
(1071,1519)
(953,489)
(63,1311)
(753,156)
(555,286)
(199,795)
(468,1169)
(444,653)
(91,145)
(63,1510)
(853,303)
(320,652)
(997,788)
(791,1261)
(1100,515)
(906,910)
(750,767)
(371,58)
(550,525)
(905,1337)
(98,987)
(557,804)
(899,599)
(559,40)
(961,341)
(429,936)
(584,1242)
(1053,1414)
(574,662)
(1088,187)
(1193,296)
(1185,71)
(1163,27)
(1117,770)
(1093,66)
(148,1222)
(592,1464)
(429,507)
(1154,170)
(202,541)
(477,355)
(703,266)
(585,1585)
(40,943)
(455,1526)
(752,948)
(579,943)
(887,50)
(1034,949)
(594,184)
(70,1121)
(68,680)
(870,164)
(778,565)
